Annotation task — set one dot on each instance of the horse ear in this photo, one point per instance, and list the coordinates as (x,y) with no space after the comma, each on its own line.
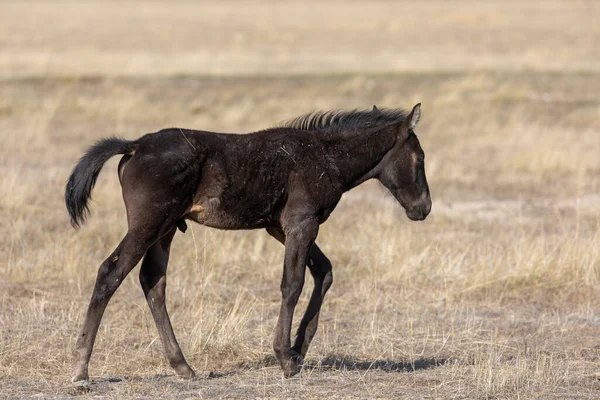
(376,110)
(414,116)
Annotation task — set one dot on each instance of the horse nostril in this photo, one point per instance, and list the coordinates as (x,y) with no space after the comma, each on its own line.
(426,207)
(423,211)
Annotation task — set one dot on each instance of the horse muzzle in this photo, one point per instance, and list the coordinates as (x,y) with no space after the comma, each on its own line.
(420,211)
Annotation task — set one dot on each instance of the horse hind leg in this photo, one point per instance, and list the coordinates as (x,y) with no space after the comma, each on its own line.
(153,210)
(110,275)
(153,280)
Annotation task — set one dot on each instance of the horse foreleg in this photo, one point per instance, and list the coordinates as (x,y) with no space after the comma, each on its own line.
(298,241)
(321,271)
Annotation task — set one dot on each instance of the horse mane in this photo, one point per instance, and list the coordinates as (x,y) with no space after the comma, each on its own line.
(340,120)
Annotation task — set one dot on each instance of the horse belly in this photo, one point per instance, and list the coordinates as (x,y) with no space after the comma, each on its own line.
(210,212)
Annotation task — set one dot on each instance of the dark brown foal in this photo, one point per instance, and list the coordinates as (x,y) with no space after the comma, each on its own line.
(286,180)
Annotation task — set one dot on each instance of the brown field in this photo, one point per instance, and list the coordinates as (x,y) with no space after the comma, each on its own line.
(495,296)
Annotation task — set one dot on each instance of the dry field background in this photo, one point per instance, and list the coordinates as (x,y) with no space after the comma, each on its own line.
(495,296)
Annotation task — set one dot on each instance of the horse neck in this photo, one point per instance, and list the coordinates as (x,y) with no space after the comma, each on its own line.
(356,157)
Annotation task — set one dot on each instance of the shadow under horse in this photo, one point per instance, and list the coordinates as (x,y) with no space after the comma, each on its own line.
(342,363)
(286,179)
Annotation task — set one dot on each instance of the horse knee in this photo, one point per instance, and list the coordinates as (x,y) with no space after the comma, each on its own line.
(153,269)
(153,285)
(291,291)
(319,265)
(148,277)
(146,281)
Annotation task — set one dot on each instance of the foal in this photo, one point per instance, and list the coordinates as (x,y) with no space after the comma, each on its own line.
(286,180)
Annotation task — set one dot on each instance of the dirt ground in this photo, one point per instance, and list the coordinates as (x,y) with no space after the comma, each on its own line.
(495,296)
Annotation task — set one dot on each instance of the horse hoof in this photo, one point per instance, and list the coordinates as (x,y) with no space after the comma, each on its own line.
(290,369)
(290,374)
(185,372)
(80,383)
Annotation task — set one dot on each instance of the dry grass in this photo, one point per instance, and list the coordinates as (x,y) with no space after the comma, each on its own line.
(496,295)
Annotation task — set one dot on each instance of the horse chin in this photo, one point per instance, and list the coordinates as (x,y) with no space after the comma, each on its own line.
(416,214)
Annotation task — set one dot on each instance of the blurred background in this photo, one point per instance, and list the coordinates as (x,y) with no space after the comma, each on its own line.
(83,38)
(496,294)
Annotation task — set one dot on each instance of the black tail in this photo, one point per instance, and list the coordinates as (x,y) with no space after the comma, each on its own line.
(84,175)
